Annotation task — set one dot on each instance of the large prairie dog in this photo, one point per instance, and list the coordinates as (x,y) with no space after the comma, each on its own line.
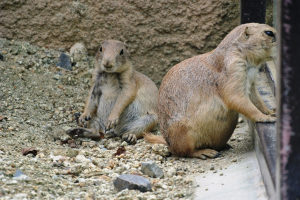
(122,102)
(201,97)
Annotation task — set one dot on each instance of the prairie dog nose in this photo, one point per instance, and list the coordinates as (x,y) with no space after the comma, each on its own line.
(107,64)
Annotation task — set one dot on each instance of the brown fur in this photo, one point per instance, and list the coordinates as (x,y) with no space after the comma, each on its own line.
(122,102)
(200,98)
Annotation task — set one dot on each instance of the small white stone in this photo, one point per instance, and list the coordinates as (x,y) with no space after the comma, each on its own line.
(77,168)
(171,172)
(82,159)
(21,196)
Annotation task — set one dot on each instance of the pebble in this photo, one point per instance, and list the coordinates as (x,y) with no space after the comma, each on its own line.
(76,168)
(55,177)
(124,143)
(64,62)
(65,152)
(65,137)
(20,176)
(82,159)
(97,182)
(171,172)
(56,77)
(78,52)
(132,182)
(21,196)
(152,197)
(240,120)
(113,145)
(13,182)
(81,180)
(81,184)
(161,149)
(151,169)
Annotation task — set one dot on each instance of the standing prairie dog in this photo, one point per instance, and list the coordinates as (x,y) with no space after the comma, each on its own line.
(122,102)
(201,97)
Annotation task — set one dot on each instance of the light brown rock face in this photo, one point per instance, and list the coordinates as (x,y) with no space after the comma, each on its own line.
(159,33)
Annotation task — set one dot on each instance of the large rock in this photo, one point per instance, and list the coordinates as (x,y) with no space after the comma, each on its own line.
(132,182)
(151,169)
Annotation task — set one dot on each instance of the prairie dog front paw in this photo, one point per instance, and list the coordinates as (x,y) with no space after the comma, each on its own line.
(84,118)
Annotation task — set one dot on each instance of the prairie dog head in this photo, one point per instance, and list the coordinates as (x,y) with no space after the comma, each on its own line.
(112,56)
(257,42)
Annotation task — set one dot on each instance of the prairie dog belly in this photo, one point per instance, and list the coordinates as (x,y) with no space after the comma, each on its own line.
(222,128)
(110,92)
(213,124)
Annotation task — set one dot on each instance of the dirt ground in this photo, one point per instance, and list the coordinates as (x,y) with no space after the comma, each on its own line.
(37,104)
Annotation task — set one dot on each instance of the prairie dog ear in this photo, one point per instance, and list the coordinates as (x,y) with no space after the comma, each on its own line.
(105,40)
(126,46)
(246,32)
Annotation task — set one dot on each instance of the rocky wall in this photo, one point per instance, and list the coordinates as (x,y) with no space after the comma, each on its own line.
(159,33)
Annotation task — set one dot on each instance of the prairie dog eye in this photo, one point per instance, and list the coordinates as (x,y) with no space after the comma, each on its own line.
(100,49)
(122,52)
(270,33)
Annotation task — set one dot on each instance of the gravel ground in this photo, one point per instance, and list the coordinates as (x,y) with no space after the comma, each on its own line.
(37,104)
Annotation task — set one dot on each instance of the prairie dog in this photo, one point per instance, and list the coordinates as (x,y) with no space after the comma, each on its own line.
(201,97)
(122,102)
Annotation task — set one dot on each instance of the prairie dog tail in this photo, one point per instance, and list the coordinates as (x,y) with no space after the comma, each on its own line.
(149,137)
